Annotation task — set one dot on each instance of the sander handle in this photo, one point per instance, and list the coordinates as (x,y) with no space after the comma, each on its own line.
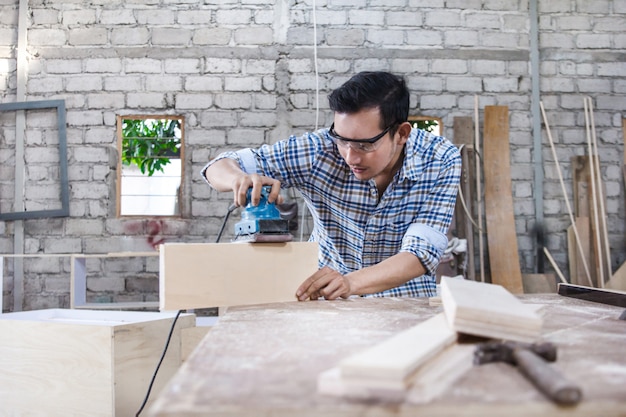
(549,381)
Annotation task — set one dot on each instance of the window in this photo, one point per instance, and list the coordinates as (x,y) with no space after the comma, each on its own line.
(150,171)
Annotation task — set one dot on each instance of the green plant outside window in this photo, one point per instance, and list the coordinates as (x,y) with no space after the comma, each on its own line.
(150,143)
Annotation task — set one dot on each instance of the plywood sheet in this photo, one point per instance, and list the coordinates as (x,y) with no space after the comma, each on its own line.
(202,275)
(397,357)
(488,310)
(501,236)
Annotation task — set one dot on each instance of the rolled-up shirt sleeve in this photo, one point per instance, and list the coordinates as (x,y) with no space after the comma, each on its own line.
(244,157)
(426,243)
(426,235)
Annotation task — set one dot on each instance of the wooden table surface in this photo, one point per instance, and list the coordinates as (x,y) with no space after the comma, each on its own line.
(264,361)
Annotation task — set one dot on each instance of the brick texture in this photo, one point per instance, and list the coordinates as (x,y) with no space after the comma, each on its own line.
(243,73)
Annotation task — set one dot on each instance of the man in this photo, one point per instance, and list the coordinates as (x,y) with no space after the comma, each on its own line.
(381,193)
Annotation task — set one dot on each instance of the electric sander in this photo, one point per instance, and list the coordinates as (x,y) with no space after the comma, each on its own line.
(261,223)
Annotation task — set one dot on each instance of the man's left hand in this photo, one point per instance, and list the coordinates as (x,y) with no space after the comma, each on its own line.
(326,283)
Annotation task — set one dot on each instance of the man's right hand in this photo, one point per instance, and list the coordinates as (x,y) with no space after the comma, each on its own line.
(242,183)
(226,175)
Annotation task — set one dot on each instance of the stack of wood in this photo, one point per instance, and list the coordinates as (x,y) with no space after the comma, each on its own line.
(493,160)
(588,245)
(418,364)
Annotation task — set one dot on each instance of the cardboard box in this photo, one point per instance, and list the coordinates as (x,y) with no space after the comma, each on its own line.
(84,362)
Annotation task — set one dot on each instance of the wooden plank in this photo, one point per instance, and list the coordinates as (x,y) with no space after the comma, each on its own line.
(599,193)
(501,236)
(554,264)
(624,147)
(596,234)
(479,194)
(488,310)
(428,382)
(576,268)
(396,358)
(539,283)
(202,275)
(581,179)
(463,136)
(190,338)
(618,280)
(439,374)
(587,192)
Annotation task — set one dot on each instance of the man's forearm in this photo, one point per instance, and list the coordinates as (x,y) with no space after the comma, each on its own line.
(222,173)
(390,273)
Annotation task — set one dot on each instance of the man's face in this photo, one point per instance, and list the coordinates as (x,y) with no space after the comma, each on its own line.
(367,160)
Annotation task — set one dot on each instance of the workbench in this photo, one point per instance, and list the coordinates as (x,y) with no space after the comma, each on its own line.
(264,360)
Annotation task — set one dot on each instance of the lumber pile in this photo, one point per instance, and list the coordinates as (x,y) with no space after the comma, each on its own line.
(497,201)
(420,363)
(587,236)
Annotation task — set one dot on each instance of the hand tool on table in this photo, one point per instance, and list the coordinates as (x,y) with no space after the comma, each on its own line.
(263,222)
(532,361)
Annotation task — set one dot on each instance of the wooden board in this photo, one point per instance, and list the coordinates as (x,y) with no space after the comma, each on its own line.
(439,374)
(588,206)
(463,135)
(618,280)
(396,358)
(488,310)
(202,275)
(539,283)
(581,184)
(576,267)
(428,382)
(501,236)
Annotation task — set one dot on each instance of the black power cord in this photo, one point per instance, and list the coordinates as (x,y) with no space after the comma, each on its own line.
(169,337)
(230,210)
(167,343)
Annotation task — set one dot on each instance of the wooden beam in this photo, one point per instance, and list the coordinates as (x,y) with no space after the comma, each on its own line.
(463,209)
(603,232)
(576,270)
(397,357)
(501,236)
(595,223)
(479,196)
(202,275)
(488,310)
(388,369)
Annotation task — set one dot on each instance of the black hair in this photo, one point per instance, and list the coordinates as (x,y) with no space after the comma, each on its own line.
(367,90)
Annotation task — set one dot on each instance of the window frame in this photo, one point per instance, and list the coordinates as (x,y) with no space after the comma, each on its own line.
(118,189)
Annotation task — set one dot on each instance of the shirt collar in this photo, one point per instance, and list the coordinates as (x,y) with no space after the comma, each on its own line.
(413,164)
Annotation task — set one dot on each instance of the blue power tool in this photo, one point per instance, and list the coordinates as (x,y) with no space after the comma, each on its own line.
(262,223)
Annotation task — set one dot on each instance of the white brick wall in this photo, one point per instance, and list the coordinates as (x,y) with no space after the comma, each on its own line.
(242,73)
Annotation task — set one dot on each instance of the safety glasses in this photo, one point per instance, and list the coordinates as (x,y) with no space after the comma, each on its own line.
(361,145)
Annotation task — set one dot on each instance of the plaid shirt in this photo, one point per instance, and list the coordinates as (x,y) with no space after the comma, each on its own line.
(354,228)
